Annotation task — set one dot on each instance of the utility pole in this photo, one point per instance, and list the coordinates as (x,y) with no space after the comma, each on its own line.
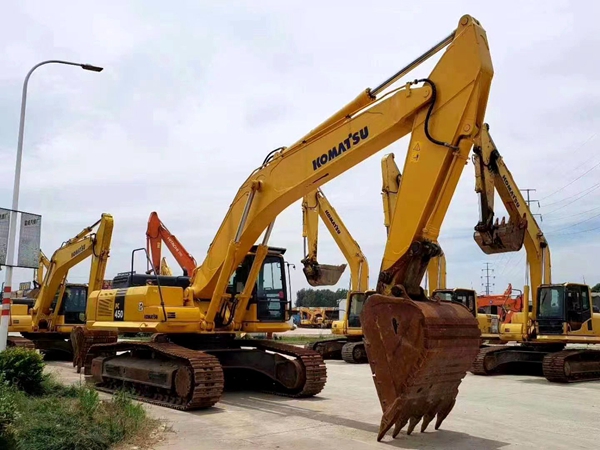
(487,277)
(530,200)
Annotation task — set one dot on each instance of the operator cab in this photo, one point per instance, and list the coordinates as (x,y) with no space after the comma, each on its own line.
(356,301)
(270,290)
(465,297)
(73,304)
(563,304)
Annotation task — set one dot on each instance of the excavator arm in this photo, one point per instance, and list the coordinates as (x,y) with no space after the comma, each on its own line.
(492,175)
(72,252)
(316,274)
(156,234)
(316,205)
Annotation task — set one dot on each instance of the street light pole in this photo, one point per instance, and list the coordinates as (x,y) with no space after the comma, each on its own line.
(12,233)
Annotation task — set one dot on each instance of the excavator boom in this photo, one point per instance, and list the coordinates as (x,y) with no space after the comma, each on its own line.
(392,178)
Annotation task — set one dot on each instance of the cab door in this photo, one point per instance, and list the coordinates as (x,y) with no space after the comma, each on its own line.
(578,307)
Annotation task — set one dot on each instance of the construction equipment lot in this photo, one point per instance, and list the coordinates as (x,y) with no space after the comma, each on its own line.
(500,412)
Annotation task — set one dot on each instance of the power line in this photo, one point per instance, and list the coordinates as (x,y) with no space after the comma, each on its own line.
(576,223)
(580,176)
(580,231)
(569,216)
(583,194)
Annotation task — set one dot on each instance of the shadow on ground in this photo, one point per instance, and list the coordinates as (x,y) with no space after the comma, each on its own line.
(433,439)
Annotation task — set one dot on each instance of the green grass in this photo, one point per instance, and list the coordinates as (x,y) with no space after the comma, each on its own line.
(298,339)
(69,418)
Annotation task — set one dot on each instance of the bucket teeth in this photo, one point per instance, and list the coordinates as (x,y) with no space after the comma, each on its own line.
(427,418)
(412,423)
(419,352)
(399,425)
(444,413)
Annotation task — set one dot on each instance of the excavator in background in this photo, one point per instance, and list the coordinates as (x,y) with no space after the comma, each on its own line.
(504,305)
(156,234)
(348,346)
(419,349)
(22,301)
(58,306)
(561,313)
(315,317)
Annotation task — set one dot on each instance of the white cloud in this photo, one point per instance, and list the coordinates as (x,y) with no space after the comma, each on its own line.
(195,94)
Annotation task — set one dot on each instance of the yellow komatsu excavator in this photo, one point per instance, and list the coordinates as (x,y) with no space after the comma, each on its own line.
(419,349)
(314,206)
(561,313)
(60,306)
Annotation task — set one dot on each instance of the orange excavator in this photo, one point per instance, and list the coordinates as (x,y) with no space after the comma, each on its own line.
(156,234)
(505,305)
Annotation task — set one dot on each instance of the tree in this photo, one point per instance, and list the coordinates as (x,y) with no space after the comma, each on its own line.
(319,297)
(596,288)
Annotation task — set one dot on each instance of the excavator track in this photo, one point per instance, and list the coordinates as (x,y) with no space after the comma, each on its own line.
(315,371)
(198,383)
(354,353)
(571,366)
(481,365)
(20,342)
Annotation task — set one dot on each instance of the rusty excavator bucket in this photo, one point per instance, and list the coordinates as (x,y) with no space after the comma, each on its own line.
(501,237)
(322,274)
(419,352)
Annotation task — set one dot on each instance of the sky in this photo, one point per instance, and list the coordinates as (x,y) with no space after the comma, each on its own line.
(194,94)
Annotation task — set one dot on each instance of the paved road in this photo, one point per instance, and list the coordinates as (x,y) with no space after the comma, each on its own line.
(502,412)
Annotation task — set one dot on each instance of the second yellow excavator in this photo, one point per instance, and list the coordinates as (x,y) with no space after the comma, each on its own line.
(561,313)
(419,349)
(315,205)
(59,306)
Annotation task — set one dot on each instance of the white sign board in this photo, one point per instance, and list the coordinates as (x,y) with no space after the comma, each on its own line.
(4,225)
(29,241)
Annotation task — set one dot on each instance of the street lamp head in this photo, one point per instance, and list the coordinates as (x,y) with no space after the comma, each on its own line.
(92,68)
